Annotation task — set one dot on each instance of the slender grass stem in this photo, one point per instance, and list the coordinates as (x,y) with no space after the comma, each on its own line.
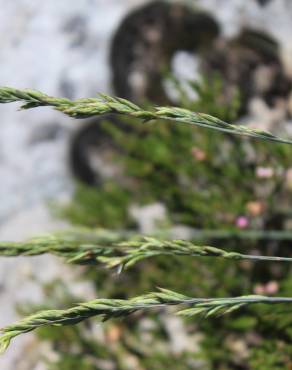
(112,308)
(118,250)
(84,108)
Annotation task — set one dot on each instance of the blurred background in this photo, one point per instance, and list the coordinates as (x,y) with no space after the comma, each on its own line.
(231,59)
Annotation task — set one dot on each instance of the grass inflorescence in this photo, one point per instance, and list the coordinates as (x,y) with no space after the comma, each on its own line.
(121,250)
(84,108)
(113,308)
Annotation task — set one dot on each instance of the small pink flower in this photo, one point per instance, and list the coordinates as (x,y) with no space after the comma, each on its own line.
(255,208)
(264,172)
(272,287)
(198,154)
(242,222)
(259,289)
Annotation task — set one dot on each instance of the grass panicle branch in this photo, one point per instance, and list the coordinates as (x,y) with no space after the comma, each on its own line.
(112,308)
(134,251)
(111,249)
(84,108)
(79,246)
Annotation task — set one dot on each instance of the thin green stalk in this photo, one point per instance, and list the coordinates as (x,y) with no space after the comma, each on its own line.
(112,250)
(112,308)
(205,234)
(84,108)
(134,251)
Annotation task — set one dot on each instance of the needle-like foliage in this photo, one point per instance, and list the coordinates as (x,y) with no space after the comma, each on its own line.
(84,108)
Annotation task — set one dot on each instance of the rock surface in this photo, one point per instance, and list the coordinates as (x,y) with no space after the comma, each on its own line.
(59,47)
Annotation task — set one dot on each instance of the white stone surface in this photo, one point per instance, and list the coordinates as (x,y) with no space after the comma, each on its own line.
(59,47)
